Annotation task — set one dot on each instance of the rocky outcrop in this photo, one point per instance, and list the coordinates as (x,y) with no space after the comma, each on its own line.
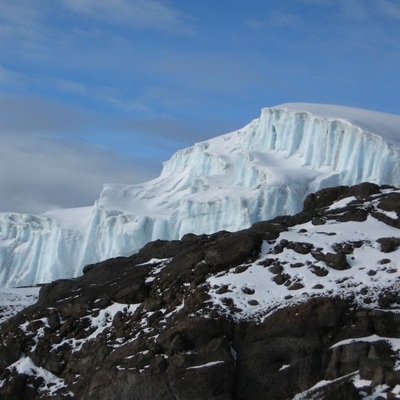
(289,308)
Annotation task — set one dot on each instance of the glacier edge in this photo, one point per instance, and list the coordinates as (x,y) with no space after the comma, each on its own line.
(228,182)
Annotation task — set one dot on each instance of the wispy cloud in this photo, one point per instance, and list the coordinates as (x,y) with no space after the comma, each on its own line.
(283,19)
(146,77)
(354,10)
(390,9)
(21,12)
(316,2)
(23,114)
(42,173)
(275,19)
(360,10)
(71,86)
(148,14)
(23,21)
(12,78)
(56,155)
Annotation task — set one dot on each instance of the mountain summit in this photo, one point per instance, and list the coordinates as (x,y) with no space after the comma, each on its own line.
(228,183)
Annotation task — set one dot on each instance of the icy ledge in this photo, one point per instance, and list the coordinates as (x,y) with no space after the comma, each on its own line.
(229,182)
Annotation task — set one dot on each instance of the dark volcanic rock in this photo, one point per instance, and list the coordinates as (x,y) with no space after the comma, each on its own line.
(163,323)
(323,198)
(363,190)
(319,271)
(336,261)
(389,244)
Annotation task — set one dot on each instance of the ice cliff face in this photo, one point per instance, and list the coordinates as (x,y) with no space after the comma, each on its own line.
(229,182)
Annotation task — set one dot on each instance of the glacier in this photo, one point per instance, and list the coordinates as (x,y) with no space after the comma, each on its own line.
(262,170)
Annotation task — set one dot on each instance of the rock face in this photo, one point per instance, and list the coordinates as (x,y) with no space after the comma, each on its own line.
(299,307)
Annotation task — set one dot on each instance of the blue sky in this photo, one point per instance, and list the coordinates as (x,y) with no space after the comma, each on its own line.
(96,91)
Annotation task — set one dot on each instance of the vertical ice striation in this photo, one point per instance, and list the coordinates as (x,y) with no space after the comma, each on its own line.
(229,182)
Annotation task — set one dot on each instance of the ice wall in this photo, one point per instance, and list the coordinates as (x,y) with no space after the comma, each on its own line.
(229,182)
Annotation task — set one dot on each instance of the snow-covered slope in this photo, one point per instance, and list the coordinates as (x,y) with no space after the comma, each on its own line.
(365,249)
(229,182)
(311,300)
(13,300)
